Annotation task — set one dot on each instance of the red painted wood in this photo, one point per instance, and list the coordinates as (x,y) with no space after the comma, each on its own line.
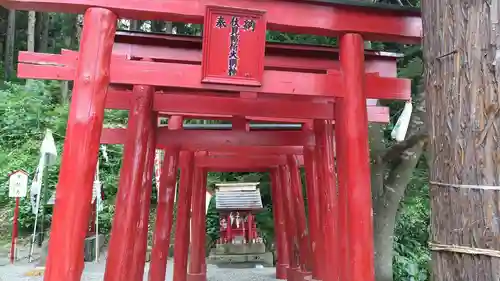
(294,59)
(206,139)
(319,153)
(279,56)
(328,201)
(260,109)
(198,231)
(287,16)
(239,162)
(204,184)
(14,232)
(81,146)
(290,222)
(283,258)
(188,42)
(314,224)
(181,246)
(116,136)
(164,209)
(120,263)
(141,243)
(189,77)
(355,160)
(239,170)
(250,229)
(343,217)
(247,28)
(300,214)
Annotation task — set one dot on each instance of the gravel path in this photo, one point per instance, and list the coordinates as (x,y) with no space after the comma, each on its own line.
(95,272)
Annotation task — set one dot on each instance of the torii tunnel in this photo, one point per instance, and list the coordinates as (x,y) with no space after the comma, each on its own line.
(289,105)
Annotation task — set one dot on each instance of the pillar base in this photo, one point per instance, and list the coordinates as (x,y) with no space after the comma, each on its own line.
(281,271)
(196,277)
(302,275)
(293,274)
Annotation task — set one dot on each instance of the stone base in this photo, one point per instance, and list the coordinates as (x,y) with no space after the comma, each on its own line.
(196,277)
(89,252)
(281,270)
(265,259)
(240,249)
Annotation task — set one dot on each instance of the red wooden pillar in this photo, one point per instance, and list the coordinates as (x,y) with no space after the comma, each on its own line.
(229,230)
(343,231)
(283,259)
(290,224)
(141,244)
(197,256)
(81,146)
(314,212)
(354,159)
(300,214)
(250,227)
(182,238)
(120,264)
(327,193)
(164,210)
(204,179)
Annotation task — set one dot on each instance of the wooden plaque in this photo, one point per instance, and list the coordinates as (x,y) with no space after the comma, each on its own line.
(234,42)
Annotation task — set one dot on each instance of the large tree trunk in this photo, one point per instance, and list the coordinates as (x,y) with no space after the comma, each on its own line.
(31,30)
(44,34)
(460,46)
(70,36)
(391,171)
(10,45)
(31,38)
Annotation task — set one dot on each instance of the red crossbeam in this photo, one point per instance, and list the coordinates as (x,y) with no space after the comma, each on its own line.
(322,18)
(284,57)
(239,162)
(117,136)
(62,67)
(217,107)
(212,140)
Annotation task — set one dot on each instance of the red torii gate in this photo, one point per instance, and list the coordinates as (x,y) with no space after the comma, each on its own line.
(242,76)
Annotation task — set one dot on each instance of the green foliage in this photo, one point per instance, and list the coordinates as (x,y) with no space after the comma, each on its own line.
(412,256)
(25,114)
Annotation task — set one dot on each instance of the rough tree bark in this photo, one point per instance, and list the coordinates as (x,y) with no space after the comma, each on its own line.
(31,30)
(10,45)
(44,33)
(461,80)
(70,42)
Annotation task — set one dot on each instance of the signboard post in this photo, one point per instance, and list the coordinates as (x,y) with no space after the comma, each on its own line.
(18,187)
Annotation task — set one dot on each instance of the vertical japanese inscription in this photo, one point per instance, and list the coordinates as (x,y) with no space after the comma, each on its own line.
(234,39)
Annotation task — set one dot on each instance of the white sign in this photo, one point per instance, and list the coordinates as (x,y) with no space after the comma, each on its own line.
(18,184)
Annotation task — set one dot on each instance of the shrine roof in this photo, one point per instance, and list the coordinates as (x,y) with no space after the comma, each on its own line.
(237,197)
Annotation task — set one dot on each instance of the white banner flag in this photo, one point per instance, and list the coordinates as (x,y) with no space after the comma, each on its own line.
(158,154)
(48,148)
(36,186)
(96,190)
